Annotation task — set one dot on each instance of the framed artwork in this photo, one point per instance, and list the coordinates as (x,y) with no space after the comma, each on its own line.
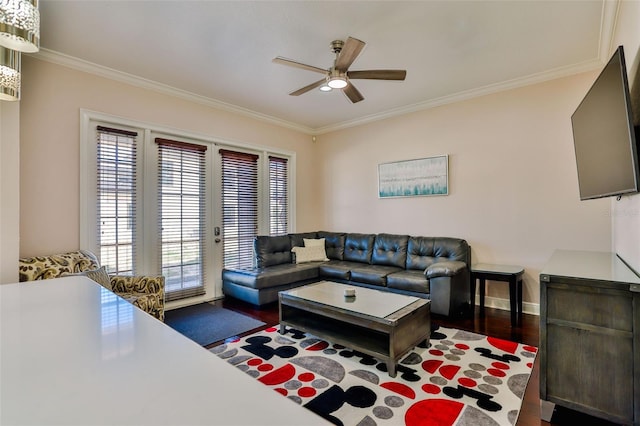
(414,178)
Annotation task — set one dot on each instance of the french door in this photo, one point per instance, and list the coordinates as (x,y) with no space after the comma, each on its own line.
(161,202)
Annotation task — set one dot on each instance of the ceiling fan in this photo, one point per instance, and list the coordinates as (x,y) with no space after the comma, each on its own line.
(339,76)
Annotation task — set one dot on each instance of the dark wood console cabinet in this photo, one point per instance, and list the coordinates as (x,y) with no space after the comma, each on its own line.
(590,335)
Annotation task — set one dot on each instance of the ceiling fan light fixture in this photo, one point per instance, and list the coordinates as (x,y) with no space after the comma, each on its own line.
(339,76)
(337,82)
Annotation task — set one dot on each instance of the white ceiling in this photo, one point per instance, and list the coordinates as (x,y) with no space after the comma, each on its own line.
(220,52)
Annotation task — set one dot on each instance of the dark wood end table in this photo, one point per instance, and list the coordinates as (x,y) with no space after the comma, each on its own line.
(507,273)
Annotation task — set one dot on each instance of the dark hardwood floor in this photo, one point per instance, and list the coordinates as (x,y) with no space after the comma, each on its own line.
(496,323)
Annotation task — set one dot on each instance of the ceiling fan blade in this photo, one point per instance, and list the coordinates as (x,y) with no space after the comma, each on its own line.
(378,74)
(291,63)
(311,86)
(350,51)
(352,93)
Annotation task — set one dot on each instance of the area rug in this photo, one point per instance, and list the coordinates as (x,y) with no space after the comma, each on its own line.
(206,323)
(462,378)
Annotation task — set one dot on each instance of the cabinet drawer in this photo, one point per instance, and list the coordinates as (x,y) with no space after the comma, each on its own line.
(592,306)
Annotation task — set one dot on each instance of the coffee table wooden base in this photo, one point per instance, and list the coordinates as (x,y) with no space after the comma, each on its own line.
(388,339)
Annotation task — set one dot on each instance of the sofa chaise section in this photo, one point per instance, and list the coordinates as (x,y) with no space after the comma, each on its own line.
(260,286)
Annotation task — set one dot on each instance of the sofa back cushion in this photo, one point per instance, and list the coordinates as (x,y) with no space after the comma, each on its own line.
(271,251)
(56,265)
(297,240)
(334,244)
(422,252)
(359,247)
(390,250)
(451,249)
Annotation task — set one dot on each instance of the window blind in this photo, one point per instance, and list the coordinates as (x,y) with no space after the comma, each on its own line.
(239,207)
(181,217)
(278,196)
(116,199)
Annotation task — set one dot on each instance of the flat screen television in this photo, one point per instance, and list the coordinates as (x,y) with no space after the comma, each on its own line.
(604,136)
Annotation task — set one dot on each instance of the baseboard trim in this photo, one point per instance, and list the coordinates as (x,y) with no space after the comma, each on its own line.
(503,304)
(182,303)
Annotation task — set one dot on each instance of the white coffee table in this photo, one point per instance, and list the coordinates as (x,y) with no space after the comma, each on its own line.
(379,323)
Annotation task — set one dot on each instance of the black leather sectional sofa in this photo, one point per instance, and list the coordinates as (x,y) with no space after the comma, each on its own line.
(436,268)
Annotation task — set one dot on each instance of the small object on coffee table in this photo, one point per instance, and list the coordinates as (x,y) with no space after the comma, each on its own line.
(349,292)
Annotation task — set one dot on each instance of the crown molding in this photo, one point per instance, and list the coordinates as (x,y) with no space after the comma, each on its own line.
(607,25)
(110,73)
(468,94)
(608,22)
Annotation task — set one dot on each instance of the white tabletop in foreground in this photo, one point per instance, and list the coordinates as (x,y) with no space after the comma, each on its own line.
(73,353)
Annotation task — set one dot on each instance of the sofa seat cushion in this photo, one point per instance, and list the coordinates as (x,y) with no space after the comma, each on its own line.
(372,274)
(272,276)
(409,280)
(338,269)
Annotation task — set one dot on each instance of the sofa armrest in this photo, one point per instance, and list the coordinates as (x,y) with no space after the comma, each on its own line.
(145,292)
(138,284)
(448,268)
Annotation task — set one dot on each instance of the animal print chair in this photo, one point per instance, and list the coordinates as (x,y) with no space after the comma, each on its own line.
(145,292)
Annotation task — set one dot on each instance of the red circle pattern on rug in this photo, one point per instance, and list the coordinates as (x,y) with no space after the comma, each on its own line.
(419,412)
(433,412)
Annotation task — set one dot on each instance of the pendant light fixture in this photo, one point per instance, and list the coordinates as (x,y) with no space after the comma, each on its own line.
(9,74)
(19,32)
(20,25)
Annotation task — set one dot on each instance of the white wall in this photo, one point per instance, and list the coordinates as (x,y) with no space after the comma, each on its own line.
(9,190)
(512,175)
(513,187)
(50,146)
(626,212)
